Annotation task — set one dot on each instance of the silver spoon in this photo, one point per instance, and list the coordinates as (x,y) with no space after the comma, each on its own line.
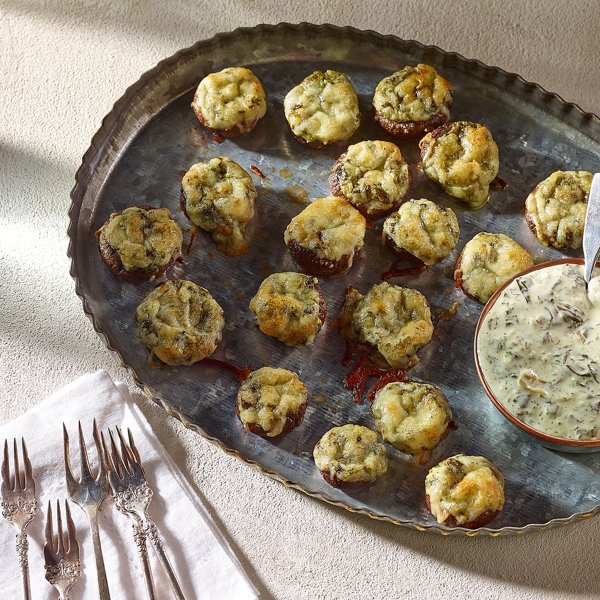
(591,232)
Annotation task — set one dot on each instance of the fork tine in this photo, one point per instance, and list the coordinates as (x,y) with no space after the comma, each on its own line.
(133,446)
(126,452)
(29,482)
(106,453)
(70,528)
(48,530)
(99,449)
(117,460)
(71,483)
(5,469)
(85,463)
(18,485)
(61,547)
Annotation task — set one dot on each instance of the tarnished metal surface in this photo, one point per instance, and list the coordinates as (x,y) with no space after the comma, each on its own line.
(152,137)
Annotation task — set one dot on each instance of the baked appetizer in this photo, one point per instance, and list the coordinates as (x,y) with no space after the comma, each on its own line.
(326,237)
(372,176)
(390,321)
(230,102)
(464,491)
(412,101)
(486,262)
(139,243)
(322,109)
(412,416)
(463,158)
(180,322)
(271,402)
(350,456)
(290,308)
(555,210)
(422,229)
(219,197)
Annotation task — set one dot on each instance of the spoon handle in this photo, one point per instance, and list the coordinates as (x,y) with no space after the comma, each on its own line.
(591,233)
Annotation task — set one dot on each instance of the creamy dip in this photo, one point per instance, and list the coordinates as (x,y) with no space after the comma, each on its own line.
(539,350)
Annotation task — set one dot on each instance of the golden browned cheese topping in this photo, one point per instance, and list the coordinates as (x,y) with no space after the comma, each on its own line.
(373,176)
(424,229)
(268,397)
(220,198)
(331,227)
(180,322)
(287,307)
(489,260)
(394,320)
(143,238)
(463,158)
(557,206)
(233,97)
(464,487)
(351,453)
(412,416)
(323,108)
(412,94)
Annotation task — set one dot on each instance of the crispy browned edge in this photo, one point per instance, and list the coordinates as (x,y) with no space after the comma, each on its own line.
(309,261)
(334,179)
(334,481)
(239,129)
(401,252)
(291,422)
(549,241)
(433,135)
(410,129)
(112,260)
(458,277)
(483,519)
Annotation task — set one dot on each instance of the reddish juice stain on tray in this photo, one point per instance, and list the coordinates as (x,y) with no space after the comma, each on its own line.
(256,170)
(218,138)
(356,380)
(239,373)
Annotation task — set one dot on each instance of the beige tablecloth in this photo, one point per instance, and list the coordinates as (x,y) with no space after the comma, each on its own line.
(63,64)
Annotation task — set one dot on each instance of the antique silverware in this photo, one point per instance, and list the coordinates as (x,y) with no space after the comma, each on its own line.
(591,232)
(132,496)
(89,493)
(61,552)
(19,504)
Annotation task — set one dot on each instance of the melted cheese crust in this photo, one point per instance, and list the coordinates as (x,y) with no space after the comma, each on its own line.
(413,94)
(143,238)
(394,320)
(373,176)
(557,207)
(412,416)
(220,198)
(424,229)
(464,487)
(330,227)
(287,307)
(232,98)
(268,396)
(180,322)
(463,158)
(323,108)
(489,260)
(351,453)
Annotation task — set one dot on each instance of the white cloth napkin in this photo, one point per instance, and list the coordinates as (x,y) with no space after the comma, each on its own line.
(202,559)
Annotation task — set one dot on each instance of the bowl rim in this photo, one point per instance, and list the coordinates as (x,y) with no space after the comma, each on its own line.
(510,416)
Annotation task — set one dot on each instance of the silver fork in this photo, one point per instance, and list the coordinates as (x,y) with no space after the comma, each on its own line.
(61,555)
(89,493)
(132,496)
(19,504)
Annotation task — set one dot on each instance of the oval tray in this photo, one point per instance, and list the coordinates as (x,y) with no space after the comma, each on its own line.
(149,140)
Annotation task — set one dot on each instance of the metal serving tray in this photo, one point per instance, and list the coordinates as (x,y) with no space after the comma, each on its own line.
(151,137)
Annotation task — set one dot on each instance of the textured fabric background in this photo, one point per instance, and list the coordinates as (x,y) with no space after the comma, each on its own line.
(62,66)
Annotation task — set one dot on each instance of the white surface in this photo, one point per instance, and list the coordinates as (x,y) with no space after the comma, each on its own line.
(201,558)
(63,65)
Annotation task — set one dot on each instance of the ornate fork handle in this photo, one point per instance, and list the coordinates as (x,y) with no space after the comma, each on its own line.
(22,549)
(139,535)
(152,532)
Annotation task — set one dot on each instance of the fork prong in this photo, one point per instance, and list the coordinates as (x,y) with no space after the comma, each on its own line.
(86,475)
(106,454)
(99,450)
(18,483)
(60,551)
(70,529)
(48,530)
(126,453)
(28,475)
(117,460)
(133,446)
(71,483)
(5,469)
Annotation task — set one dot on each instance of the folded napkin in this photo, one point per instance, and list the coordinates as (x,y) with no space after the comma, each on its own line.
(201,557)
